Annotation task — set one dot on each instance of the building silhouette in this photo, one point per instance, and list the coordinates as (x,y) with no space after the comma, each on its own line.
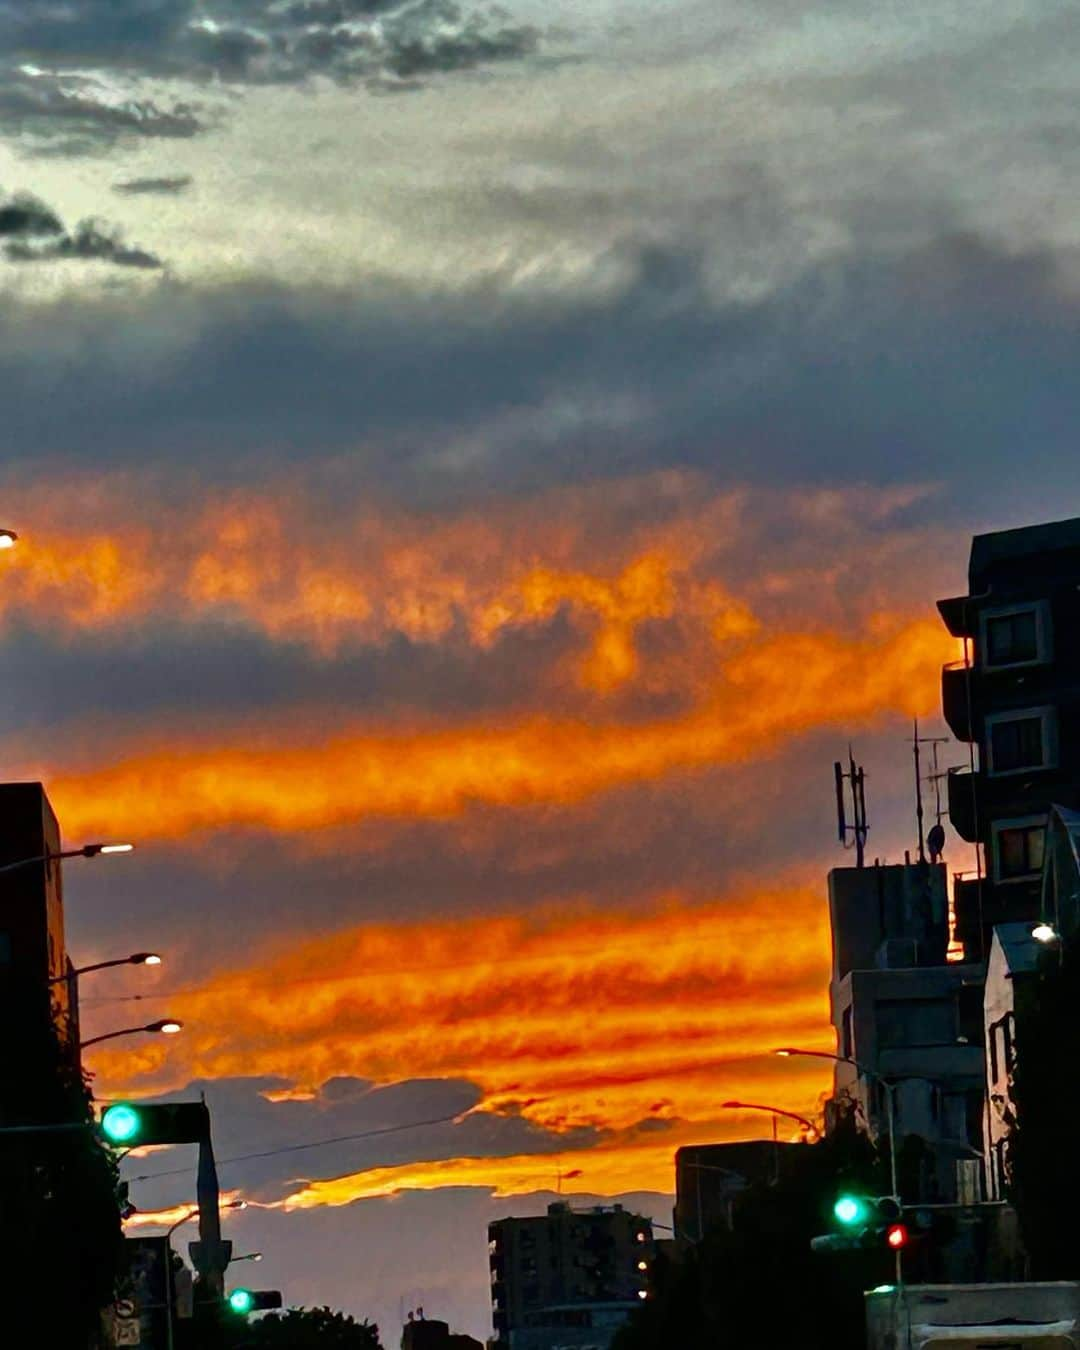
(1014,699)
(569,1278)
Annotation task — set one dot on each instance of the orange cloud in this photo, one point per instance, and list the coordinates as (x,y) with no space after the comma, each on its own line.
(165,1218)
(609,1170)
(769,689)
(572,1017)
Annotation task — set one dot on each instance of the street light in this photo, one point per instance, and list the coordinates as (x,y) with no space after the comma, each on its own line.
(774,1110)
(249,1256)
(167,1026)
(135,959)
(1045,933)
(8,539)
(87,851)
(228,1204)
(890,1089)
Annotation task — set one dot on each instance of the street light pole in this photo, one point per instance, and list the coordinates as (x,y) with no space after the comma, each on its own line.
(889,1089)
(87,851)
(167,1026)
(135,959)
(776,1112)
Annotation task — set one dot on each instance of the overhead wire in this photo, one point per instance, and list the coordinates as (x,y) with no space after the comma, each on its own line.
(298,1148)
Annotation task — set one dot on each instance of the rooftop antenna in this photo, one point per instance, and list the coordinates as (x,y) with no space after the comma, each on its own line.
(936,839)
(858,830)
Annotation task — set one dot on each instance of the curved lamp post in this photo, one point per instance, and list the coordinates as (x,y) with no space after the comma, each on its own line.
(774,1111)
(229,1204)
(167,1026)
(135,959)
(87,851)
(889,1087)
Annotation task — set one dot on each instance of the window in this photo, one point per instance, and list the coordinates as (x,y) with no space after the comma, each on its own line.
(1018,848)
(1018,635)
(1016,744)
(969,1013)
(1021,850)
(1020,741)
(847,1041)
(1012,639)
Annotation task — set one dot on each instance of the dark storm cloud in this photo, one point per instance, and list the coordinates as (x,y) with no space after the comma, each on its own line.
(25,216)
(879,366)
(161,187)
(31,232)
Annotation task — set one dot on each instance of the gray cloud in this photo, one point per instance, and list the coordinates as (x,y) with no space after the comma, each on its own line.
(32,232)
(858,368)
(57,115)
(344,1107)
(234,41)
(164,187)
(25,216)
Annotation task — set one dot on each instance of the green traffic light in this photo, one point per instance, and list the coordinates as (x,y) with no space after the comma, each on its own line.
(850,1209)
(120,1124)
(241,1300)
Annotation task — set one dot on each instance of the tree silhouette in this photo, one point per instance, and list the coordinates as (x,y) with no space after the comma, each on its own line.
(305,1329)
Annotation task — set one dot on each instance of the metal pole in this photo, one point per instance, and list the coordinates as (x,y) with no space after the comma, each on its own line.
(170,1297)
(45,1129)
(775,1152)
(890,1089)
(891,1105)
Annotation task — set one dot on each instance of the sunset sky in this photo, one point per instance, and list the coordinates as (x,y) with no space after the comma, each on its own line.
(476,468)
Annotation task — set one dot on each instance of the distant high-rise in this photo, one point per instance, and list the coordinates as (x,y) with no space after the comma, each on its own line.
(1015,699)
(569,1278)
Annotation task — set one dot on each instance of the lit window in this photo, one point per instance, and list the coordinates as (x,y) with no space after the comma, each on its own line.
(1020,851)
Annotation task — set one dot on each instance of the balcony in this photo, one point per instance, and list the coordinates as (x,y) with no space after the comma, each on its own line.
(957,681)
(965,789)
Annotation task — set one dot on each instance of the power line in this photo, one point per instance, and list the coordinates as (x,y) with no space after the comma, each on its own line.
(202,989)
(298,1148)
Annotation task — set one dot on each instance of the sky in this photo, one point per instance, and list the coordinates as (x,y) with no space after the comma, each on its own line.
(475,469)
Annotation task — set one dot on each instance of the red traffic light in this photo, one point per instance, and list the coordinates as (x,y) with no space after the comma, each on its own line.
(897,1236)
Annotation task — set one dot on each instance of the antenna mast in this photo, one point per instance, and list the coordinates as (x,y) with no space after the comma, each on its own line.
(917,742)
(858,830)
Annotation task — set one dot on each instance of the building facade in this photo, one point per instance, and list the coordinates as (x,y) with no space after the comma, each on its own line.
(1015,700)
(568,1279)
(908,1024)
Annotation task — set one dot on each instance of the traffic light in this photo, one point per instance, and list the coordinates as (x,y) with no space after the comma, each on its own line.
(129,1124)
(852,1209)
(867,1224)
(244,1301)
(897,1237)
